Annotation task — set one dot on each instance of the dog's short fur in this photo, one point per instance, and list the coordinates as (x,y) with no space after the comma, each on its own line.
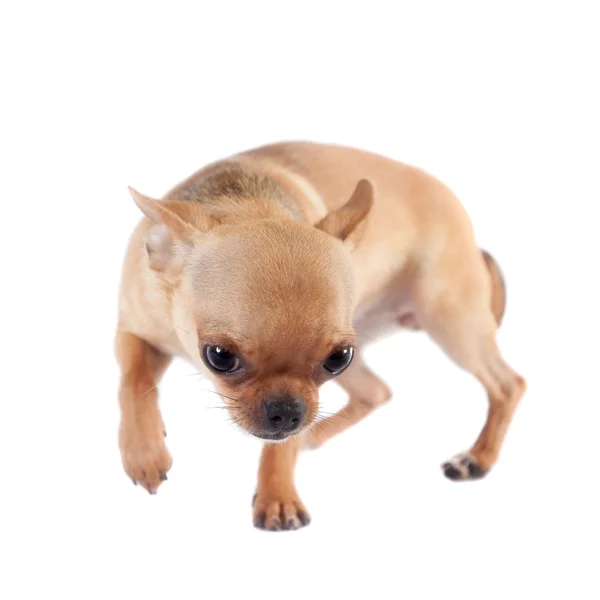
(280,256)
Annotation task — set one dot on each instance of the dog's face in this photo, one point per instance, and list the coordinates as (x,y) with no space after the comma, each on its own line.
(273,303)
(265,307)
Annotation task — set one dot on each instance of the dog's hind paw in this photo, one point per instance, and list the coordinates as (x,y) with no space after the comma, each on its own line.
(463,467)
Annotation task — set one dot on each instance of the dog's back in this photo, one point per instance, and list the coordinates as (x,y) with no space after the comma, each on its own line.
(414,220)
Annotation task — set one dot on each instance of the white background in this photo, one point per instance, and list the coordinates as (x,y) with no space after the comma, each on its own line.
(500,103)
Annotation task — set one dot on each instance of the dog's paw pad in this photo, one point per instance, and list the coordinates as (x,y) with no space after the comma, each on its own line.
(463,467)
(451,472)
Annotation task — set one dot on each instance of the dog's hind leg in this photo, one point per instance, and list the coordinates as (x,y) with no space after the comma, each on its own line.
(455,307)
(366,392)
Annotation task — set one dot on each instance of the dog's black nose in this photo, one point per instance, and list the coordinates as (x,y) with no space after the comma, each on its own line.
(284,415)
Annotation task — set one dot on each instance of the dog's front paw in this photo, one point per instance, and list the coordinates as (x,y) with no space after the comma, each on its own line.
(277,510)
(463,467)
(145,456)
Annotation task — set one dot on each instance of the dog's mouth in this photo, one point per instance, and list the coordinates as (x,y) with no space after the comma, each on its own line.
(278,436)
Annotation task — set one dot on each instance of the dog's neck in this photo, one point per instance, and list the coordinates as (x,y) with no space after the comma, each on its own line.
(232,192)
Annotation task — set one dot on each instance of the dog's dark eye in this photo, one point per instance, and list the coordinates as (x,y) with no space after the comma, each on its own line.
(221,360)
(337,361)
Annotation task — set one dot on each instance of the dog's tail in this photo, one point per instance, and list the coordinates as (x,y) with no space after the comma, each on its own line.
(498,286)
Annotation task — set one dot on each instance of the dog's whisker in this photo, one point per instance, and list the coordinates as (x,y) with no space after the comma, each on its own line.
(238,416)
(241,400)
(327,420)
(325,415)
(353,334)
(150,390)
(320,426)
(239,333)
(196,374)
(236,425)
(184,330)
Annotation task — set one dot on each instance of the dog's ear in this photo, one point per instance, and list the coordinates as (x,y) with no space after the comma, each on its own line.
(175,225)
(347,222)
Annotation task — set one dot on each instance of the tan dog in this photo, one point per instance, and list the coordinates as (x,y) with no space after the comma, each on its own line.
(269,271)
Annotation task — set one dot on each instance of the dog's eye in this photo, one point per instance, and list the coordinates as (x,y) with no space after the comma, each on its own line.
(221,360)
(339,360)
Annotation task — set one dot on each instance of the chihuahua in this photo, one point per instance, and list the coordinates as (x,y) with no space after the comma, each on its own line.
(270,271)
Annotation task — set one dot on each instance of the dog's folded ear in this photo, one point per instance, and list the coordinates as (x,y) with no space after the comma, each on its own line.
(347,222)
(175,223)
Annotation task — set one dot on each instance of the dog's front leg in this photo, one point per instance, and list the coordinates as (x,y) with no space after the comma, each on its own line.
(365,393)
(276,505)
(141,434)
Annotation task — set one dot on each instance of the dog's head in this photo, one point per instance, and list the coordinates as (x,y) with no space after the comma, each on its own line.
(264,306)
